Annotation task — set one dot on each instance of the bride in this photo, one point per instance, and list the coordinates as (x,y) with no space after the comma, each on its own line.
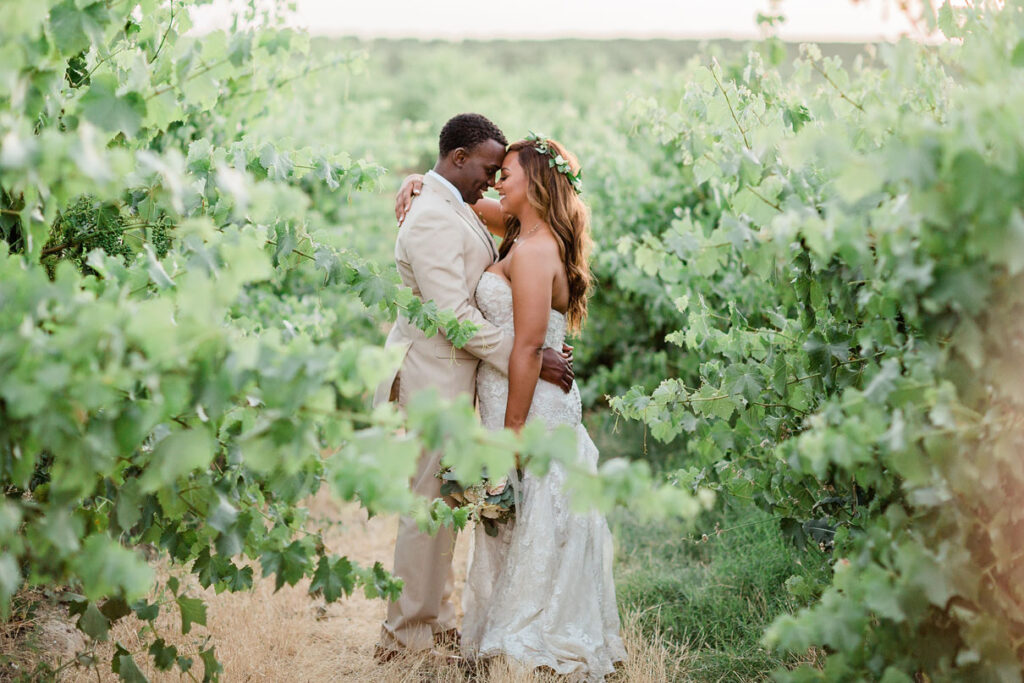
(541,591)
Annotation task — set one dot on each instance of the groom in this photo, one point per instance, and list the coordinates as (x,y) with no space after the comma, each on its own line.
(441,252)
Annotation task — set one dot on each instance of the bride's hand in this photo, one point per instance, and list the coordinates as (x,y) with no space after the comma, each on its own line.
(403,200)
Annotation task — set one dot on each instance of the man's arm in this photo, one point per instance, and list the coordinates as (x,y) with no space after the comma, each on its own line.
(433,246)
(488,209)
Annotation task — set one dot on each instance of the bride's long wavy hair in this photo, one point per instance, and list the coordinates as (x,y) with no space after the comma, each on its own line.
(550,192)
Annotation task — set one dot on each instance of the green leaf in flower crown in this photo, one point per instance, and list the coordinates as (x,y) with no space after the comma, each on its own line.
(114,113)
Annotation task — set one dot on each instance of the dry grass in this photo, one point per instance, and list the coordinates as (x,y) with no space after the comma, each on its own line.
(261,635)
(649,662)
(36,626)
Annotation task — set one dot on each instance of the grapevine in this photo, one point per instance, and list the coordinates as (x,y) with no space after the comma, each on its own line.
(206,363)
(86,225)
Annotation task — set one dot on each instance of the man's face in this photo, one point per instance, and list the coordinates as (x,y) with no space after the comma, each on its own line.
(480,165)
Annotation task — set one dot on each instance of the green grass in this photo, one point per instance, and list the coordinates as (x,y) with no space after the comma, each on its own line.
(713,598)
(617,437)
(710,597)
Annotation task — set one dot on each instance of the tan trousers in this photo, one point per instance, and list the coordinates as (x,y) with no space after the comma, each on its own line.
(424,563)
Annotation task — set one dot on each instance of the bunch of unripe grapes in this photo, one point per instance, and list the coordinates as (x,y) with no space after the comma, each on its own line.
(85,225)
(160,236)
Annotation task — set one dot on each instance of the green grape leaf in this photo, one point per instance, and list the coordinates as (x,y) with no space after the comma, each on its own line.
(288,565)
(128,671)
(211,667)
(1017,58)
(333,579)
(93,623)
(111,112)
(176,455)
(193,611)
(115,608)
(239,578)
(76,26)
(146,611)
(744,381)
(10,580)
(105,568)
(164,655)
(223,514)
(277,164)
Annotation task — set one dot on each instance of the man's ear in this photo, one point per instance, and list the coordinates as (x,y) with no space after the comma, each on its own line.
(459,156)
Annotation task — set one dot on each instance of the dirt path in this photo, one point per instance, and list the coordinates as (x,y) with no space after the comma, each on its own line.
(289,636)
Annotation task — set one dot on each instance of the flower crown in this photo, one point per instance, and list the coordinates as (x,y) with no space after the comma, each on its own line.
(557,161)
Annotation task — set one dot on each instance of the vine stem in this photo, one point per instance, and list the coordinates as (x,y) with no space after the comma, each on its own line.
(743,133)
(146,286)
(294,251)
(57,248)
(105,60)
(839,90)
(780,405)
(774,205)
(718,532)
(278,84)
(162,39)
(194,74)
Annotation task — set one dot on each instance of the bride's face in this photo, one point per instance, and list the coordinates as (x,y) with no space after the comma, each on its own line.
(512,184)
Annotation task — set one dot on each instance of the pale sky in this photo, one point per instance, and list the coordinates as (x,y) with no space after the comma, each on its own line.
(821,20)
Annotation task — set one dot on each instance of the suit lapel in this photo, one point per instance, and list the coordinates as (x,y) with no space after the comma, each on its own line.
(466,214)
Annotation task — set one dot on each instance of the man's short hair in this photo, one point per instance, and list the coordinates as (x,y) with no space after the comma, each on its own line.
(468,131)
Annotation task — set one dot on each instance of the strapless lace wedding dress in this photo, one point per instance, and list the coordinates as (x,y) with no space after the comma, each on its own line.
(541,591)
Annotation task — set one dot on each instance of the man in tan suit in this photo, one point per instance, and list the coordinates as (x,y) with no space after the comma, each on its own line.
(442,250)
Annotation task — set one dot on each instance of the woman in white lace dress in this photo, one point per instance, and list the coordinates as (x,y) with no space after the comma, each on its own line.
(541,591)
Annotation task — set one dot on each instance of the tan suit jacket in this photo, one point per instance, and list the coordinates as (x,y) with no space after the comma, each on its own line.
(441,251)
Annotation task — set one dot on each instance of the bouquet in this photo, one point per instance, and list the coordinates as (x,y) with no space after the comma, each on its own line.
(490,502)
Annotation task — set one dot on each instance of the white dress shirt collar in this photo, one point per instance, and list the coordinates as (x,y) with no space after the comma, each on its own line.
(447,183)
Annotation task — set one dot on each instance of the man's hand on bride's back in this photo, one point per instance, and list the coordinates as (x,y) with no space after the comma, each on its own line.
(556,367)
(403,200)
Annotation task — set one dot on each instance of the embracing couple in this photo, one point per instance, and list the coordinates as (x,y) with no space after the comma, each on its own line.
(540,591)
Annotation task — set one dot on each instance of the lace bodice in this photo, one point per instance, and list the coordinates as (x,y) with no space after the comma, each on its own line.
(494,297)
(551,404)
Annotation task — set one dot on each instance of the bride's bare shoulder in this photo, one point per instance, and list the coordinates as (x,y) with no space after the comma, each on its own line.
(537,253)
